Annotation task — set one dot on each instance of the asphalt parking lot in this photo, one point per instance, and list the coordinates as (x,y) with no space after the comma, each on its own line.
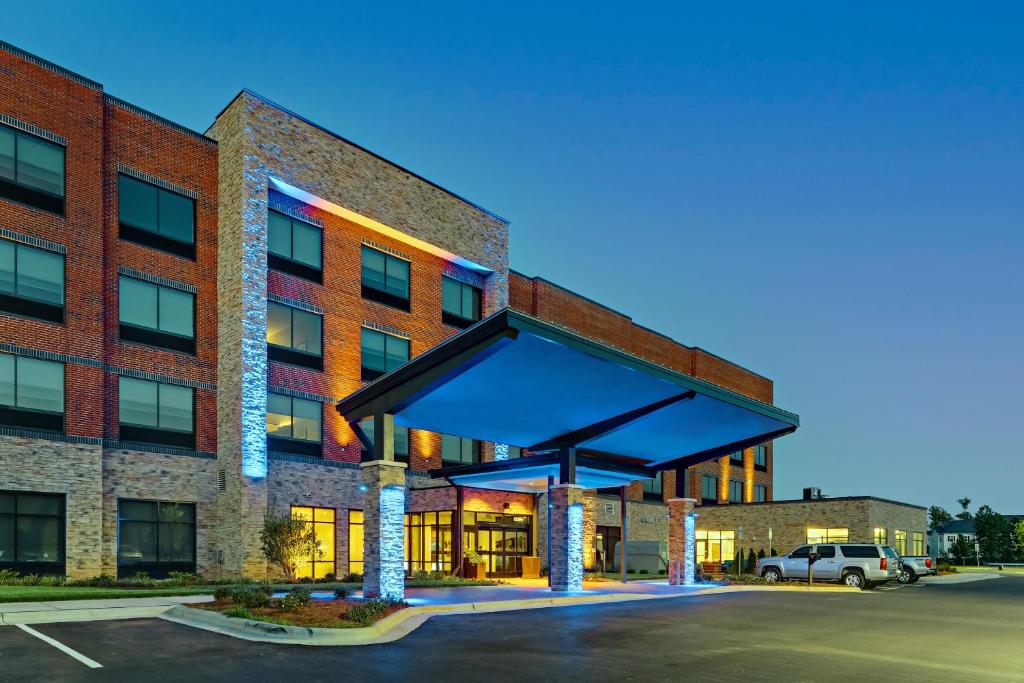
(967,631)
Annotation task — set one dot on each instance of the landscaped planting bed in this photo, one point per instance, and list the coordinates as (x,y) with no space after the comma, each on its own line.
(298,608)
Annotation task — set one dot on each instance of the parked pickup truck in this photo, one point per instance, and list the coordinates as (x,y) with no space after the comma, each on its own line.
(860,565)
(914,567)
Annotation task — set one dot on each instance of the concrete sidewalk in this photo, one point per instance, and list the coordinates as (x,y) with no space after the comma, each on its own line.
(92,610)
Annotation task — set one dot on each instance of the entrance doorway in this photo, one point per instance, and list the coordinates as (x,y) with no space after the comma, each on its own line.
(607,538)
(502,540)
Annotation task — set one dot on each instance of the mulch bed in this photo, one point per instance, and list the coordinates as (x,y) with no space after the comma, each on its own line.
(320,614)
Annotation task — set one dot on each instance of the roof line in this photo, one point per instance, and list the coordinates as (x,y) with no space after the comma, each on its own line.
(50,66)
(145,113)
(817,500)
(403,169)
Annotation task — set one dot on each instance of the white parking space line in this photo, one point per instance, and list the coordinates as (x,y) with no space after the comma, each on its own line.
(91,663)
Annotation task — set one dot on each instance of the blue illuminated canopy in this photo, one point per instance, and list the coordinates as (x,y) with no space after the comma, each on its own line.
(517,380)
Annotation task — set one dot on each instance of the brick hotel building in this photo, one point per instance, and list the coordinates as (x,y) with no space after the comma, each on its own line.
(180,313)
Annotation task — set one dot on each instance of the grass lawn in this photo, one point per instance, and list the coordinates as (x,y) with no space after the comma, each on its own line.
(991,570)
(53,593)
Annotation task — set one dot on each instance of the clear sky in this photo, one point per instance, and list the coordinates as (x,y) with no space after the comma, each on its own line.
(833,198)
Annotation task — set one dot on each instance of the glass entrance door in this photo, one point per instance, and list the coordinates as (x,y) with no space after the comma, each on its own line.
(501,540)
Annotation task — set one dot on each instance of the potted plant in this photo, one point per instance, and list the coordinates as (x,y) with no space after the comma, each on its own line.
(473,565)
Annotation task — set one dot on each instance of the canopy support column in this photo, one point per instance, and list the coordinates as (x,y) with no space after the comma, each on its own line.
(384,529)
(624,521)
(566,565)
(681,532)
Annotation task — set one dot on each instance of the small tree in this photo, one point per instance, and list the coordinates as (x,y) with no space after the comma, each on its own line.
(937,516)
(737,563)
(994,534)
(751,561)
(1018,537)
(964,503)
(760,554)
(287,541)
(961,548)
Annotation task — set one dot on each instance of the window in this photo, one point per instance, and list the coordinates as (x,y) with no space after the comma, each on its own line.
(736,458)
(715,546)
(382,353)
(152,412)
(881,536)
(859,550)
(830,535)
(320,565)
(458,450)
(901,542)
(31,393)
(385,278)
(31,282)
(155,537)
(709,488)
(155,315)
(355,541)
(501,540)
(515,452)
(803,552)
(826,552)
(652,488)
(401,441)
(31,170)
(428,542)
(918,548)
(32,532)
(156,217)
(460,303)
(293,425)
(294,246)
(294,336)
(761,457)
(735,491)
(760,493)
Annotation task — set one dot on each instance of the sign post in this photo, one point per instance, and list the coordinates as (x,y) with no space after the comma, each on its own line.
(739,540)
(812,557)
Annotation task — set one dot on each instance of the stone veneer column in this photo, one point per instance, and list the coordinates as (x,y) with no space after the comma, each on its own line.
(566,565)
(681,531)
(384,529)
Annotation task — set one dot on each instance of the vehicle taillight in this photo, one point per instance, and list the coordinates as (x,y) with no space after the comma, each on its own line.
(928,563)
(883,564)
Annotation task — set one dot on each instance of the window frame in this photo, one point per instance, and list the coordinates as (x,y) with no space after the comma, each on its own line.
(880,535)
(26,195)
(157,568)
(354,547)
(291,444)
(738,485)
(760,493)
(917,543)
(154,239)
(762,451)
(734,461)
(31,567)
(900,541)
(155,435)
(312,561)
(456,319)
(475,451)
(30,307)
(704,479)
(370,374)
(289,354)
(829,536)
(147,336)
(416,527)
(33,418)
(654,487)
(381,296)
(288,264)
(366,455)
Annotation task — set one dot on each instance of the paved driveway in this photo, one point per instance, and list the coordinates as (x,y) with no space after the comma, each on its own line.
(925,632)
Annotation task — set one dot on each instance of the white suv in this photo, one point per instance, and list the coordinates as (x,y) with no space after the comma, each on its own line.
(859,565)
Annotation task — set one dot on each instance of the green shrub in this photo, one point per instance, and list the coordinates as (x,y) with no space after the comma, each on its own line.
(250,597)
(643,571)
(222,593)
(340,593)
(420,575)
(101,581)
(751,561)
(9,577)
(51,580)
(296,598)
(265,588)
(238,612)
(185,578)
(631,571)
(352,577)
(368,611)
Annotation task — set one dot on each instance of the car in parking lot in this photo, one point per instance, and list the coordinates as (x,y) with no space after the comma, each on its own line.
(913,567)
(859,565)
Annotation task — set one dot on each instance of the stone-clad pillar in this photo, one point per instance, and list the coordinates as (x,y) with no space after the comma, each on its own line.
(566,531)
(384,529)
(682,556)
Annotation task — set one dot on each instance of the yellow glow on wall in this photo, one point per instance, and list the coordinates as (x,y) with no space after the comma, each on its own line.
(723,479)
(748,472)
(479,500)
(424,443)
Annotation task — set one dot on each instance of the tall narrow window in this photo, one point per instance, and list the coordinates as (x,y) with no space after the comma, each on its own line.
(156,315)
(709,488)
(401,441)
(760,493)
(460,303)
(294,246)
(294,425)
(355,541)
(155,537)
(382,353)
(736,458)
(881,536)
(319,565)
(156,217)
(31,282)
(385,278)
(735,491)
(918,549)
(652,488)
(294,336)
(901,541)
(152,412)
(31,393)
(31,170)
(459,450)
(761,457)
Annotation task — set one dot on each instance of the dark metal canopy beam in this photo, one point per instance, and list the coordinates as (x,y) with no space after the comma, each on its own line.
(589,462)
(718,452)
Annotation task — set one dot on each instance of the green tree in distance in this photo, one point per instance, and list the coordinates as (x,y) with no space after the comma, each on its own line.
(964,503)
(937,516)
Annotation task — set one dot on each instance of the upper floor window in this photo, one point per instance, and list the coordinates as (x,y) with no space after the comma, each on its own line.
(294,425)
(828,535)
(761,457)
(382,353)
(760,493)
(31,393)
(918,548)
(156,217)
(294,336)
(709,488)
(460,303)
(401,441)
(881,536)
(31,281)
(459,450)
(385,278)
(515,452)
(31,170)
(736,458)
(294,246)
(735,491)
(153,412)
(652,488)
(156,315)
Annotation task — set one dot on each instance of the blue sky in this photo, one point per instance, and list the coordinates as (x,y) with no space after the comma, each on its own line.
(831,198)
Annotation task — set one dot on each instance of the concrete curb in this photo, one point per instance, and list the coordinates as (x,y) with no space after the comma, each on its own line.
(91,609)
(404,622)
